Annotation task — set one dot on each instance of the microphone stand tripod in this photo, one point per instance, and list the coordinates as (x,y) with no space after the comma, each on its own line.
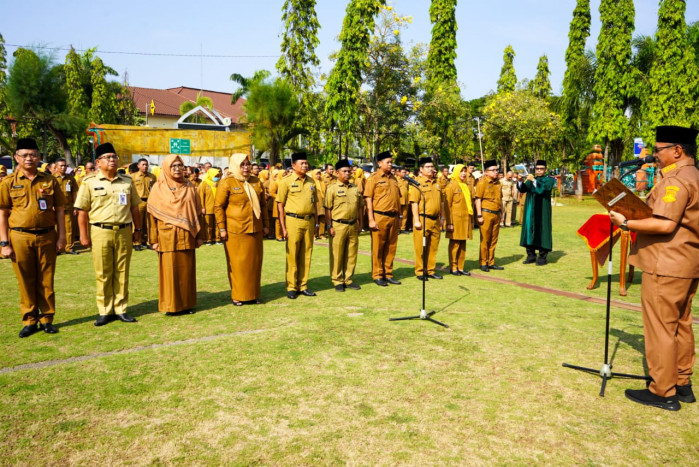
(424,314)
(606,371)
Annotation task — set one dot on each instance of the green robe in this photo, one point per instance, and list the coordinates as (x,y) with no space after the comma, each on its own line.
(536,223)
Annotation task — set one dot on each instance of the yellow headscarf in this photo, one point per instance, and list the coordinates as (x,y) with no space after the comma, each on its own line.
(264,175)
(234,167)
(43,167)
(156,171)
(463,185)
(358,175)
(209,179)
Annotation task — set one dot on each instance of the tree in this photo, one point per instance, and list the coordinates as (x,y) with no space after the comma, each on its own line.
(271,110)
(541,85)
(674,77)
(613,78)
(508,79)
(245,84)
(101,102)
(298,44)
(5,141)
(441,69)
(202,101)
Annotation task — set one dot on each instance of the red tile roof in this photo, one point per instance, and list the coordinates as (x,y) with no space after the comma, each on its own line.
(167,101)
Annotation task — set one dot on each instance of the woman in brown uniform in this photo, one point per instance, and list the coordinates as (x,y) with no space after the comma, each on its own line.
(207,194)
(242,222)
(459,218)
(175,231)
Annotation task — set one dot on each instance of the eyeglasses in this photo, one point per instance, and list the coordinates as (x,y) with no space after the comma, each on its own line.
(31,155)
(108,158)
(492,170)
(657,149)
(177,167)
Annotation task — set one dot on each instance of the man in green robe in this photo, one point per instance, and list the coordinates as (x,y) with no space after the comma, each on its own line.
(536,224)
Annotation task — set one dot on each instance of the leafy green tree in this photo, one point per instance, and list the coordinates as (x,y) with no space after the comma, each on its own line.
(201,100)
(245,84)
(5,138)
(508,79)
(674,76)
(441,69)
(101,102)
(298,44)
(541,85)
(693,35)
(613,78)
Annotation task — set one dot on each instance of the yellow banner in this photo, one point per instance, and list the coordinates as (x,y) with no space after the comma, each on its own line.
(129,140)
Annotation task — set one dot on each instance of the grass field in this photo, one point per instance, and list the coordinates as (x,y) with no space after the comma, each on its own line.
(329,380)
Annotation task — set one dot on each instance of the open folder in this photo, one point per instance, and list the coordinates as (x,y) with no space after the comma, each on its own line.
(615,196)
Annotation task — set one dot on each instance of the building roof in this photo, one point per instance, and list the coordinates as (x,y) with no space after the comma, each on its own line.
(167,101)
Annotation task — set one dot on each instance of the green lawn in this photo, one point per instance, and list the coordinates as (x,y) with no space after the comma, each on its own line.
(329,380)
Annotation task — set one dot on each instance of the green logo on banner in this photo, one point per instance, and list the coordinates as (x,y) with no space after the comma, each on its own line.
(180,146)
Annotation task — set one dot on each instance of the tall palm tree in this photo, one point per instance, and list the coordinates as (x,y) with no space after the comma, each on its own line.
(246,83)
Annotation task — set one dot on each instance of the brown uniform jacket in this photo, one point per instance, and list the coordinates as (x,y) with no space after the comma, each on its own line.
(432,196)
(298,195)
(206,195)
(384,192)
(404,197)
(171,238)
(69,187)
(490,193)
(676,197)
(143,183)
(456,213)
(344,201)
(233,208)
(22,197)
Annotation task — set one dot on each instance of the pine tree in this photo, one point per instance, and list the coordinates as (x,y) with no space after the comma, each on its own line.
(541,86)
(508,79)
(441,69)
(298,44)
(613,78)
(674,78)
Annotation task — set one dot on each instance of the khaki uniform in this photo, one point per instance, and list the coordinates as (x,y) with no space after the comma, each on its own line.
(299,197)
(108,204)
(345,204)
(431,222)
(490,193)
(385,194)
(404,203)
(206,194)
(508,188)
(327,179)
(273,185)
(143,184)
(456,213)
(69,187)
(321,186)
(670,265)
(32,221)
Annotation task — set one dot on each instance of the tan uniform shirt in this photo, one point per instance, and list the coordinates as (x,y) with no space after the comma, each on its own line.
(403,184)
(233,208)
(507,189)
(433,196)
(384,191)
(23,198)
(69,187)
(676,197)
(107,201)
(298,195)
(471,182)
(490,193)
(206,195)
(143,183)
(344,201)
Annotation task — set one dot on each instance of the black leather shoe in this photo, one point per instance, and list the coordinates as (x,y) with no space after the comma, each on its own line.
(422,278)
(497,268)
(48,328)
(541,261)
(435,276)
(381,282)
(391,280)
(485,268)
(529,260)
(308,293)
(464,273)
(339,288)
(456,273)
(125,318)
(104,319)
(72,252)
(137,247)
(645,397)
(685,394)
(292,294)
(352,286)
(28,330)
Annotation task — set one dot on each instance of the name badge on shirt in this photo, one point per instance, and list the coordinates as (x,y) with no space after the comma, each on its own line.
(122,199)
(68,188)
(42,204)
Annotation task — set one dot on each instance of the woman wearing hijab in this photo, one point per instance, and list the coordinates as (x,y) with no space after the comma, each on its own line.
(242,222)
(175,231)
(459,215)
(207,194)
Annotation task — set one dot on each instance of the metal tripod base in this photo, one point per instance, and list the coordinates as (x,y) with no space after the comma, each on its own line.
(606,373)
(423,315)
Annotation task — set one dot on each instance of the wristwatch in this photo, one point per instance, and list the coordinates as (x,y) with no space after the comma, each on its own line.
(4,244)
(623,226)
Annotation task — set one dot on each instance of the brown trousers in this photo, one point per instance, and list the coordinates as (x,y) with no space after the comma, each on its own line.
(208,222)
(432,234)
(404,210)
(177,280)
(143,212)
(667,329)
(343,253)
(244,260)
(35,266)
(457,254)
(70,222)
(490,231)
(506,214)
(299,247)
(383,246)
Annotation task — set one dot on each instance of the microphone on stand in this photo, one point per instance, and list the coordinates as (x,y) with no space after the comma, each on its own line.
(412,181)
(637,162)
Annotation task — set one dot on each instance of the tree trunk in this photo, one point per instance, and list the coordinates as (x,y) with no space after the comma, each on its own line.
(63,143)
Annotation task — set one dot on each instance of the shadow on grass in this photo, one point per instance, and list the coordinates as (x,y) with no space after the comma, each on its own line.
(635,341)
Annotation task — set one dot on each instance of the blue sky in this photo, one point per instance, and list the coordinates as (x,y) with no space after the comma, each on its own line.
(250,30)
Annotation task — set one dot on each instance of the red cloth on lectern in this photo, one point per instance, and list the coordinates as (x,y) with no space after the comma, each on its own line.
(595,232)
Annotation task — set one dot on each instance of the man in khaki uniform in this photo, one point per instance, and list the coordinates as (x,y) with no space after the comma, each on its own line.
(69,187)
(507,184)
(382,196)
(667,250)
(343,209)
(404,201)
(328,176)
(488,207)
(298,217)
(428,212)
(143,181)
(110,201)
(31,207)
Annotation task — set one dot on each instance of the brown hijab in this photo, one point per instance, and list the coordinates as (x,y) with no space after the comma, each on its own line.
(175,202)
(234,166)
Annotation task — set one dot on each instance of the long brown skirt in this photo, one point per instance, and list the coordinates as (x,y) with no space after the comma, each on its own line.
(244,258)
(177,276)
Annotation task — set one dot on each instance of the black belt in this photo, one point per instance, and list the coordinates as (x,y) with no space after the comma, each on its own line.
(388,214)
(111,226)
(434,218)
(33,231)
(345,222)
(488,210)
(144,199)
(307,217)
